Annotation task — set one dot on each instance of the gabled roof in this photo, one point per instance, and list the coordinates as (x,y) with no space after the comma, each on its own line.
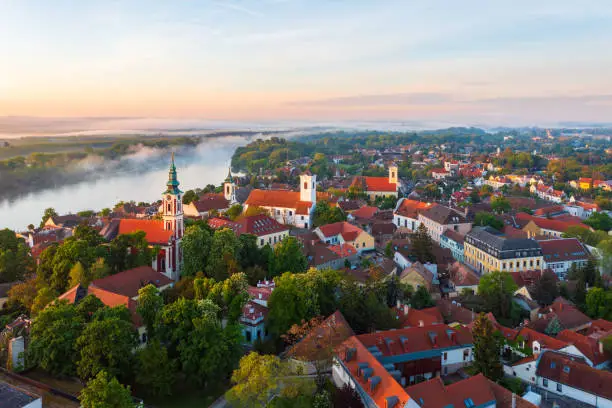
(454,236)
(260,225)
(127,283)
(546,342)
(569,317)
(587,345)
(412,208)
(209,202)
(365,212)
(461,275)
(276,198)
(380,184)
(326,336)
(444,215)
(550,224)
(348,231)
(573,372)
(411,317)
(77,293)
(560,250)
(454,313)
(154,230)
(343,250)
(419,269)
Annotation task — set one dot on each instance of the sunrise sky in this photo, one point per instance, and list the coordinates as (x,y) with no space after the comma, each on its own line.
(506,62)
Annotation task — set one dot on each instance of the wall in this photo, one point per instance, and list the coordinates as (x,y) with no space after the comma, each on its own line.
(271,239)
(406,222)
(574,393)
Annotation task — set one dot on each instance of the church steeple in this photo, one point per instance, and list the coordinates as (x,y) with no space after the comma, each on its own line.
(229,178)
(172,183)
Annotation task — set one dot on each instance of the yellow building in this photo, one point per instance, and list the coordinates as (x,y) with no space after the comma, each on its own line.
(487,250)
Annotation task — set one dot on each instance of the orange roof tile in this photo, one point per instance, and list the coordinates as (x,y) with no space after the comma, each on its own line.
(280,199)
(154,230)
(412,208)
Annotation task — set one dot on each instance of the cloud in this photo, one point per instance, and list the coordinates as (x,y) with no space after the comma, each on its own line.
(415,98)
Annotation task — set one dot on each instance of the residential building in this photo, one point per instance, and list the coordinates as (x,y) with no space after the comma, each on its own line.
(454,313)
(591,347)
(548,193)
(406,213)
(288,207)
(267,230)
(580,209)
(206,205)
(345,233)
(560,254)
(410,317)
(378,186)
(544,227)
(14,397)
(570,377)
(497,182)
(454,241)
(462,278)
(440,173)
(418,275)
(121,289)
(559,316)
(487,250)
(379,365)
(439,218)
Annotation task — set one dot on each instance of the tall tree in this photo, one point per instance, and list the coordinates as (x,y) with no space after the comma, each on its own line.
(497,288)
(223,253)
(104,391)
(483,219)
(422,245)
(500,205)
(487,348)
(155,370)
(599,303)
(150,303)
(49,212)
(129,251)
(45,296)
(288,257)
(546,290)
(196,248)
(15,259)
(78,276)
(421,299)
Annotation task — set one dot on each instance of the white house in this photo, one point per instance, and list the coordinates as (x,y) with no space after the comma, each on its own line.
(560,254)
(406,213)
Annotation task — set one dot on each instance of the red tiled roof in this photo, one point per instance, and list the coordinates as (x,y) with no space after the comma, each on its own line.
(209,202)
(374,184)
(411,317)
(546,342)
(587,346)
(260,225)
(253,311)
(461,275)
(259,293)
(528,278)
(348,231)
(412,208)
(218,223)
(365,212)
(127,283)
(569,316)
(110,299)
(343,251)
(550,224)
(154,230)
(452,312)
(328,335)
(559,250)
(547,210)
(420,339)
(280,199)
(580,375)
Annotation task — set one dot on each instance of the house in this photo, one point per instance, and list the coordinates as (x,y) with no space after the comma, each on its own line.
(544,227)
(569,376)
(253,322)
(402,254)
(70,221)
(410,317)
(559,316)
(462,278)
(166,233)
(348,206)
(590,347)
(455,314)
(418,275)
(406,213)
(288,207)
(267,230)
(486,250)
(317,346)
(121,289)
(378,186)
(345,233)
(382,232)
(581,209)
(476,391)
(454,241)
(440,173)
(366,212)
(498,182)
(206,205)
(548,193)
(560,254)
(438,219)
(403,356)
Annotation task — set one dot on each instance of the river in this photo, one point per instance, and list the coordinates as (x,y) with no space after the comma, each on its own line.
(141,177)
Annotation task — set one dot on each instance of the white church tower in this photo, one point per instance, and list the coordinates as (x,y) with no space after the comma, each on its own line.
(229,188)
(393,174)
(172,215)
(308,188)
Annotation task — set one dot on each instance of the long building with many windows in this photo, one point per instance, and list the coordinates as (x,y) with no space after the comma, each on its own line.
(487,250)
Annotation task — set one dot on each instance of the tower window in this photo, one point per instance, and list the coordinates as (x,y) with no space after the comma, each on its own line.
(169,207)
(305,185)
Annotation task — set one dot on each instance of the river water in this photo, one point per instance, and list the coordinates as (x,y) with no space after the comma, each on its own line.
(140,177)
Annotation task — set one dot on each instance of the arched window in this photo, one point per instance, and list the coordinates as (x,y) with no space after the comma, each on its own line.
(169,207)
(305,185)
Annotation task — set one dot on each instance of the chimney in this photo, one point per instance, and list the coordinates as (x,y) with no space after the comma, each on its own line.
(406,309)
(601,347)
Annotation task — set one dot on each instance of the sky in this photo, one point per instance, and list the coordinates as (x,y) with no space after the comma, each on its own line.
(471,62)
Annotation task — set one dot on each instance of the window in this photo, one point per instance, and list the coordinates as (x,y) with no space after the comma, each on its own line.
(545,382)
(445,356)
(559,387)
(466,354)
(248,336)
(305,185)
(261,242)
(468,403)
(290,213)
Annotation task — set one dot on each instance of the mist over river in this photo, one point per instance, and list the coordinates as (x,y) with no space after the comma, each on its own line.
(140,176)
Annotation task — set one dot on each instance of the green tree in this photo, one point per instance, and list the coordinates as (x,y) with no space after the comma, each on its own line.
(49,212)
(288,257)
(128,251)
(189,197)
(104,391)
(88,234)
(99,269)
(546,290)
(599,303)
(78,276)
(53,338)
(234,211)
(421,298)
(474,197)
(324,214)
(106,345)
(497,289)
(605,251)
(500,205)
(88,306)
(553,328)
(487,348)
(45,296)
(422,245)
(483,219)
(15,259)
(249,254)
(150,303)
(105,212)
(196,245)
(599,221)
(156,372)
(389,250)
(223,253)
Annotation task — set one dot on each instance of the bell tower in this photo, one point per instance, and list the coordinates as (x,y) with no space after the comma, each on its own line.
(172,216)
(308,188)
(393,174)
(229,188)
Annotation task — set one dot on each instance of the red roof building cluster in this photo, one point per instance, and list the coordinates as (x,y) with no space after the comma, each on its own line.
(374,184)
(412,208)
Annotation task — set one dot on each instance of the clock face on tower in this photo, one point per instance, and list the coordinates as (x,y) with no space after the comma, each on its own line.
(168,197)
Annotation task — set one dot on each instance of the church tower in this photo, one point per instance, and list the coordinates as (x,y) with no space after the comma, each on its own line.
(308,188)
(229,188)
(393,174)
(172,216)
